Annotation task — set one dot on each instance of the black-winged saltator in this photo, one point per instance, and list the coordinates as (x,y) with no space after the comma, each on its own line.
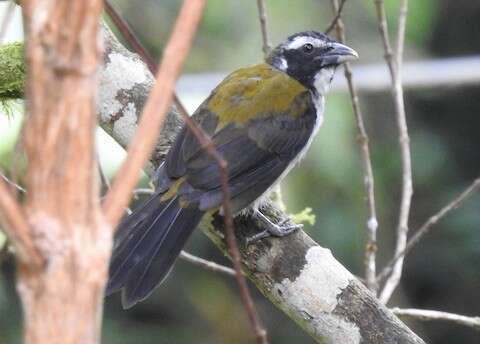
(261,119)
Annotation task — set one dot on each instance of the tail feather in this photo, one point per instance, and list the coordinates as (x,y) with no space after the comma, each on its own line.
(149,241)
(135,245)
(154,268)
(141,214)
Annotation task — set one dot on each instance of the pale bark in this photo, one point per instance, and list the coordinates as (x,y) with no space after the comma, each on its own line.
(62,299)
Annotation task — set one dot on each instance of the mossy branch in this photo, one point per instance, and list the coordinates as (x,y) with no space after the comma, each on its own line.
(12,71)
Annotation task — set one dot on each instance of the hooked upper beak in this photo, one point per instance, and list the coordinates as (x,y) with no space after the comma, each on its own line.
(338,54)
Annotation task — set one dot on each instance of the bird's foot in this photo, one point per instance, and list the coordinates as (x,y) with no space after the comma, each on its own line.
(271,229)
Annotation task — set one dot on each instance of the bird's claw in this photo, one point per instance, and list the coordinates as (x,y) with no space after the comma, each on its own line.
(278,230)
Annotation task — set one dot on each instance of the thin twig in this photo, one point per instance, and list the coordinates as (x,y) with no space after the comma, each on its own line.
(12,183)
(402,25)
(368,180)
(338,16)
(429,315)
(394,63)
(17,228)
(260,332)
(262,15)
(6,20)
(428,225)
(207,264)
(143,191)
(155,109)
(207,144)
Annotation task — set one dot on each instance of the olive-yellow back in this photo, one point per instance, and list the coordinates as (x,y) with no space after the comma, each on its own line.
(254,92)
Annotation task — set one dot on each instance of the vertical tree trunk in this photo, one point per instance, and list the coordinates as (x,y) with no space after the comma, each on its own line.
(62,302)
(62,299)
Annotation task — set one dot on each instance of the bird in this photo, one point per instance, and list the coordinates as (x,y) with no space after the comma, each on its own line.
(261,120)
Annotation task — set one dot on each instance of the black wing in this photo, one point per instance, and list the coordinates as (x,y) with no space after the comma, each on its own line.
(257,154)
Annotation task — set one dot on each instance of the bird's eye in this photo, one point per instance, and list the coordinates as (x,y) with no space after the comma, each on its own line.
(307,48)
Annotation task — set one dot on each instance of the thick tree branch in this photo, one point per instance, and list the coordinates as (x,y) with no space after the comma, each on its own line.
(155,109)
(62,301)
(12,71)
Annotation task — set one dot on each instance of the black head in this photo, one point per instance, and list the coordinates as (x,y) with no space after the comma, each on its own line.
(307,55)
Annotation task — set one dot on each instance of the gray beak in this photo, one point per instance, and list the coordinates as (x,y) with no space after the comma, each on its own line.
(338,54)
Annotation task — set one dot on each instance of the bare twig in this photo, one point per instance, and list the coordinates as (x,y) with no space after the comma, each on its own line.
(402,25)
(262,15)
(338,15)
(17,228)
(7,18)
(427,226)
(394,64)
(260,332)
(155,109)
(143,191)
(429,315)
(383,28)
(207,264)
(12,183)
(368,180)
(207,144)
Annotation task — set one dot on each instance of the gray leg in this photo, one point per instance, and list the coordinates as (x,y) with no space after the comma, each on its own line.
(272,229)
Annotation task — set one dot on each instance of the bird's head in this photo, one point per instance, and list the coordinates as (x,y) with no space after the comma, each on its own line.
(311,58)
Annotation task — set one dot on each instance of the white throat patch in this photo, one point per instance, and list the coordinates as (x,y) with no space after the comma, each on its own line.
(283,65)
(323,80)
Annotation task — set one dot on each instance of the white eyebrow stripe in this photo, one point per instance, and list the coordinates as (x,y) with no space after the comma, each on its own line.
(301,40)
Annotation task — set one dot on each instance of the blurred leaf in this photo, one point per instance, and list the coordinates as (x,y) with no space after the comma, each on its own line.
(421,15)
(305,216)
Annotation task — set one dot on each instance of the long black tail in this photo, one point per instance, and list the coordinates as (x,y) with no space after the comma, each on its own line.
(146,245)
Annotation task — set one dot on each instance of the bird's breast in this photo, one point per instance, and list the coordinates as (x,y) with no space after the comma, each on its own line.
(319,102)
